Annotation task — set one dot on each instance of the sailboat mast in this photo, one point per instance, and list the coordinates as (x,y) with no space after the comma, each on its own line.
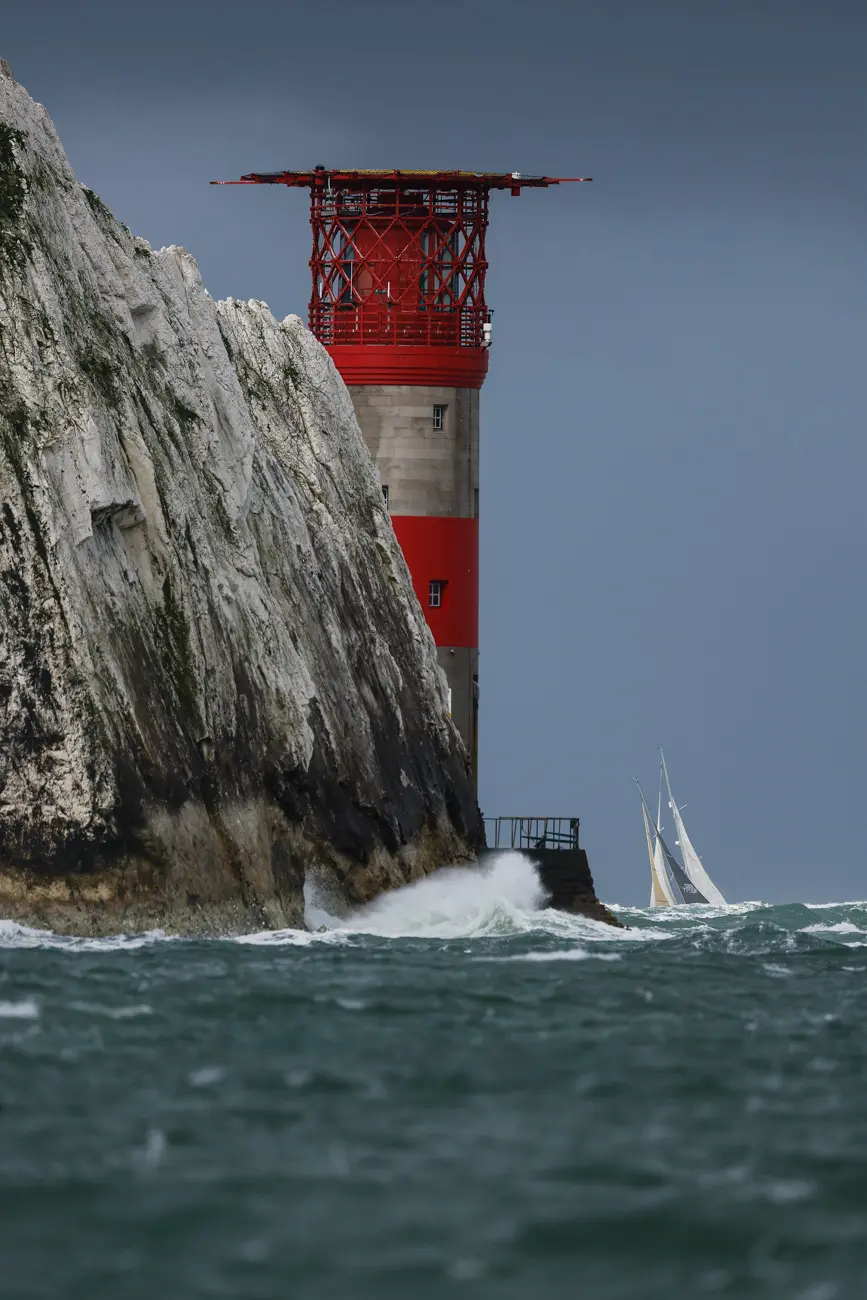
(646,825)
(675,814)
(692,863)
(663,774)
(659,801)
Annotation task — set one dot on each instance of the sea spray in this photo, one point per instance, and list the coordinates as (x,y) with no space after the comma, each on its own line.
(457,902)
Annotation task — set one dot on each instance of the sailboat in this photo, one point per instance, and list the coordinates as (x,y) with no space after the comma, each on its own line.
(673,884)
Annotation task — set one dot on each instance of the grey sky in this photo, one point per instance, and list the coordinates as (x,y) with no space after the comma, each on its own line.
(673,448)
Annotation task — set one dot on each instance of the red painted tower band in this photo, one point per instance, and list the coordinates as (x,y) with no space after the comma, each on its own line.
(398,299)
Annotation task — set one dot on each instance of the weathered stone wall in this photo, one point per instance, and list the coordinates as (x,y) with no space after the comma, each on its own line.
(213,671)
(428,471)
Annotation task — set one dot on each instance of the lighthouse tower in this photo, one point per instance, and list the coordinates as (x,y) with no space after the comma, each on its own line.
(398,300)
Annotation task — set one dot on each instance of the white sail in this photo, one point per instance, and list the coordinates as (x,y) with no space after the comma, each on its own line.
(661,894)
(659,857)
(659,887)
(659,874)
(691,861)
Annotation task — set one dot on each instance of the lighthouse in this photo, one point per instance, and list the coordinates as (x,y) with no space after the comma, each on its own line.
(398,299)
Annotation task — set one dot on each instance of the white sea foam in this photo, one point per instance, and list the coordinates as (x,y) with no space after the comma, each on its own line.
(206,1077)
(842,927)
(113,1013)
(694,921)
(568,954)
(289,938)
(687,913)
(499,900)
(822,907)
(502,899)
(150,1156)
(13,935)
(652,933)
(457,903)
(26,1009)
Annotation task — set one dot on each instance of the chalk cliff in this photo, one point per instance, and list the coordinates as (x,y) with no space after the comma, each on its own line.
(213,672)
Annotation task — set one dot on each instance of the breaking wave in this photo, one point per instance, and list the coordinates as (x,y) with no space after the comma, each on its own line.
(456,903)
(504,900)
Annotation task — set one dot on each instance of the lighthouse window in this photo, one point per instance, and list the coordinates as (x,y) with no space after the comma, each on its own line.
(438,416)
(435,598)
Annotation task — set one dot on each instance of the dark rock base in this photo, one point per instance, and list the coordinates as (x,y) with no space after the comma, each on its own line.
(195,875)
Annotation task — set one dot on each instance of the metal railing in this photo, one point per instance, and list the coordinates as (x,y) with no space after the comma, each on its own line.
(532,832)
(391,323)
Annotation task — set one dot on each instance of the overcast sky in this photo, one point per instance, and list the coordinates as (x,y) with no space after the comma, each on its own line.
(673,428)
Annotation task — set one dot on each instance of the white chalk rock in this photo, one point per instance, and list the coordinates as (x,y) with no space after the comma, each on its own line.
(214,675)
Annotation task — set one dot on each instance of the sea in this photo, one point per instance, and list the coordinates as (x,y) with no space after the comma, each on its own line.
(453,1093)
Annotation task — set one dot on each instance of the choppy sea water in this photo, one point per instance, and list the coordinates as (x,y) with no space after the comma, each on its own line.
(453,1094)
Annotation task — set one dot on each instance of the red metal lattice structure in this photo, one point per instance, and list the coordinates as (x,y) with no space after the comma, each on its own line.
(399,257)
